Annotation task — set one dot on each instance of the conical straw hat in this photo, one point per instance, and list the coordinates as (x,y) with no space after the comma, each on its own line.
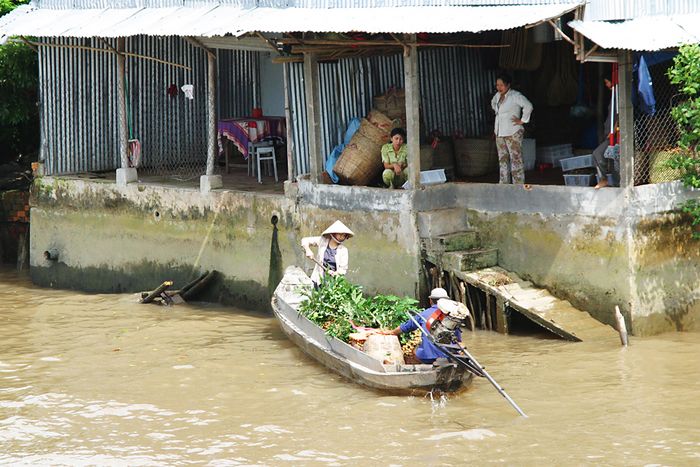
(336,228)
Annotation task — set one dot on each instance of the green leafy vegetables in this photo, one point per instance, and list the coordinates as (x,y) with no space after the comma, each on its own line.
(338,304)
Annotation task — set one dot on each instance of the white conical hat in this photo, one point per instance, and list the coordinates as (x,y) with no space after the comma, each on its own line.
(336,228)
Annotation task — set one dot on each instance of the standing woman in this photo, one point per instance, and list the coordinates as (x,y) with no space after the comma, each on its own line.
(512,111)
(332,254)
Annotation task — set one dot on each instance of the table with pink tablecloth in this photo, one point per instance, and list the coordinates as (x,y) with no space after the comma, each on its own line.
(246,130)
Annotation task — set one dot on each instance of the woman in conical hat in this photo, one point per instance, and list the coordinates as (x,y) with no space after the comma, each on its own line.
(332,254)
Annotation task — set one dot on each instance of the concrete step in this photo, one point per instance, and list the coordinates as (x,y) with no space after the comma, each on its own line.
(470,260)
(438,222)
(466,240)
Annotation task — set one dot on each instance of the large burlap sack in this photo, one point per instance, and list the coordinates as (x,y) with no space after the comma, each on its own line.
(373,132)
(386,349)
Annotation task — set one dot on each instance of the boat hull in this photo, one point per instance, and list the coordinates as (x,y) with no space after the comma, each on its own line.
(348,361)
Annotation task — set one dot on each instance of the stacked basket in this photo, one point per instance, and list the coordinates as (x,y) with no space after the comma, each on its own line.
(361,159)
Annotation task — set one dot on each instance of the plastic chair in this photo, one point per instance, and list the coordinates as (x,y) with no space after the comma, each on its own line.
(266,153)
(252,157)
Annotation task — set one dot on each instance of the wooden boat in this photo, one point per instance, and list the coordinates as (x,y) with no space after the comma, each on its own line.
(348,361)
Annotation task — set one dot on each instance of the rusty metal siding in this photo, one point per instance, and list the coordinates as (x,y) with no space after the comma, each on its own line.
(455,95)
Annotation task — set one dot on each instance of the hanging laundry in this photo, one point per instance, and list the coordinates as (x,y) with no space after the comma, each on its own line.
(172,90)
(188,89)
(647,103)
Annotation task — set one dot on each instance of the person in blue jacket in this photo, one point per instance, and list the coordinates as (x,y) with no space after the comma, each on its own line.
(426,352)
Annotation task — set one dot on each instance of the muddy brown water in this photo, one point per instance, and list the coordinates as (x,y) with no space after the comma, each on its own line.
(102,380)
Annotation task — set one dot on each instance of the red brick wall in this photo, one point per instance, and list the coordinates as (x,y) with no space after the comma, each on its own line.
(14,206)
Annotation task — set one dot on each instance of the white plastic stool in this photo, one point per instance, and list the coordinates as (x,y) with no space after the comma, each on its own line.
(252,156)
(266,153)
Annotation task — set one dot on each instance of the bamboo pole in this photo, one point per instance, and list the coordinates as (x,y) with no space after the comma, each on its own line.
(98,49)
(384,43)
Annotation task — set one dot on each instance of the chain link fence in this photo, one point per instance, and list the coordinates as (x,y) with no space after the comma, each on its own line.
(656,135)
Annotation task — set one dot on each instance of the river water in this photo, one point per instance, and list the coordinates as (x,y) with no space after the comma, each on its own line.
(102,380)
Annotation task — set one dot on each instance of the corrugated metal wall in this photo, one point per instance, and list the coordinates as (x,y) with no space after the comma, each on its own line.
(79,110)
(455,94)
(239,82)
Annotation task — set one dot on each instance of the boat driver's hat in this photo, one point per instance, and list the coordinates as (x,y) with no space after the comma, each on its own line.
(337,228)
(438,293)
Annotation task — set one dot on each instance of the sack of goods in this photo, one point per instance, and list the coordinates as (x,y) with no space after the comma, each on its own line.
(384,348)
(361,160)
(392,104)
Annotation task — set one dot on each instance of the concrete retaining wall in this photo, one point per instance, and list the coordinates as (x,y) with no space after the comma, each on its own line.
(595,248)
(126,239)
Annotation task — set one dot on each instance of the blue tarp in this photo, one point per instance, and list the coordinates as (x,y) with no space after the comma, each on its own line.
(332,158)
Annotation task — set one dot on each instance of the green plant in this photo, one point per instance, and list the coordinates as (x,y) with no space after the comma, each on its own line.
(685,73)
(19,116)
(338,305)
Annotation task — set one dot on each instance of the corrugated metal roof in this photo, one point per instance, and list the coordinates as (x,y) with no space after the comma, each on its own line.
(220,20)
(645,33)
(610,10)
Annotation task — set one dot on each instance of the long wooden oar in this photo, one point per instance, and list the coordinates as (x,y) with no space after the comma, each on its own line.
(458,359)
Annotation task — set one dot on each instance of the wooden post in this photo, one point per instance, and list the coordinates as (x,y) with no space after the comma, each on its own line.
(211,113)
(22,250)
(123,129)
(501,318)
(412,88)
(161,288)
(621,327)
(291,170)
(626,115)
(312,92)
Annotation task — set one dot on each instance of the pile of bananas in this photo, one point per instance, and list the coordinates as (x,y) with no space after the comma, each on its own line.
(412,342)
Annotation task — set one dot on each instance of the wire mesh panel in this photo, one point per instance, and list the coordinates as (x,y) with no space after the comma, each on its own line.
(168,122)
(656,133)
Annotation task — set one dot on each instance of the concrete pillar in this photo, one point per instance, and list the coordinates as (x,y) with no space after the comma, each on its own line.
(209,181)
(125,174)
(412,87)
(626,113)
(313,112)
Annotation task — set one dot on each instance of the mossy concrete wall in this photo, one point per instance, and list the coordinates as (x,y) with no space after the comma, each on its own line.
(127,239)
(595,248)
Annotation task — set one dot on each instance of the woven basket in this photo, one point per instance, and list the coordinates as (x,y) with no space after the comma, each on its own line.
(373,133)
(360,162)
(475,157)
(380,120)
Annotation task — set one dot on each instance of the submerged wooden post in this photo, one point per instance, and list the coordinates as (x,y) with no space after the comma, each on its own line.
(161,288)
(22,250)
(621,327)
(412,88)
